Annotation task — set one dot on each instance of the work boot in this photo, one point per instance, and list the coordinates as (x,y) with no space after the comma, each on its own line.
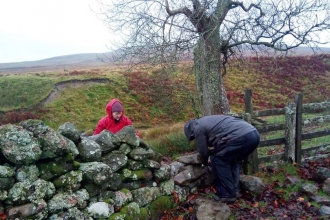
(215,198)
(224,200)
(228,200)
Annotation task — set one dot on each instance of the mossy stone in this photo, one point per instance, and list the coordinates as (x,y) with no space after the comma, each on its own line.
(161,204)
(117,216)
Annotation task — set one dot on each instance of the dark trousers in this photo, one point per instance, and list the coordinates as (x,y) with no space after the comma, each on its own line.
(226,166)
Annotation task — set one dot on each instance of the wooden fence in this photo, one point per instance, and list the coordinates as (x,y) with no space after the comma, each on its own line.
(292,126)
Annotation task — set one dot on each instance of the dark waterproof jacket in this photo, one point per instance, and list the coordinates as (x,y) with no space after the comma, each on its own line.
(215,131)
(109,123)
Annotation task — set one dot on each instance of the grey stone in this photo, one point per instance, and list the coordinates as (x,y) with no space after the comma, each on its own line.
(125,149)
(167,187)
(210,210)
(64,201)
(291,180)
(151,164)
(6,182)
(6,171)
(145,195)
(89,150)
(114,182)
(70,214)
(134,165)
(326,186)
(96,172)
(18,145)
(22,192)
(182,192)
(189,174)
(252,183)
(69,131)
(140,154)
(128,135)
(324,210)
(114,161)
(35,210)
(100,210)
(309,189)
(320,200)
(190,159)
(107,140)
(27,173)
(69,181)
(163,173)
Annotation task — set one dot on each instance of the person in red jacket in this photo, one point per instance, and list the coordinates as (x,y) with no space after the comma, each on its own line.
(115,120)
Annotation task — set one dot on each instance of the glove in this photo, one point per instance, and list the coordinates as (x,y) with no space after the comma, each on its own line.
(208,169)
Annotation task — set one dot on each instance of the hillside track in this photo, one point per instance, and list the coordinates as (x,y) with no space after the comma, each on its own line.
(58,88)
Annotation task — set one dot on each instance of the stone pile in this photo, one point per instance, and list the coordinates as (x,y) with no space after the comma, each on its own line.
(48,174)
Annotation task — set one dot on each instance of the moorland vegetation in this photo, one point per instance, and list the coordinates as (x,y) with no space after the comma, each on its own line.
(159,100)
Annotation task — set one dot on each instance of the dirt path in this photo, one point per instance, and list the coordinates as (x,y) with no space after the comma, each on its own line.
(58,88)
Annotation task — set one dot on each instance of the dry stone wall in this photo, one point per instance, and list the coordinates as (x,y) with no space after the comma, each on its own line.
(48,174)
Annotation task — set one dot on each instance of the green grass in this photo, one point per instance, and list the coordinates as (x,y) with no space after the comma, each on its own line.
(276,119)
(152,99)
(23,91)
(285,169)
(168,140)
(82,106)
(315,142)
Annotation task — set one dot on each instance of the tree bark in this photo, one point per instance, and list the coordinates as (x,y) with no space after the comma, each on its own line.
(208,71)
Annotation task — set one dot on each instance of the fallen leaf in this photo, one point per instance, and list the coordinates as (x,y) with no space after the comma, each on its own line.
(191,197)
(263,209)
(255,205)
(213,190)
(117,209)
(176,198)
(165,216)
(3,217)
(300,199)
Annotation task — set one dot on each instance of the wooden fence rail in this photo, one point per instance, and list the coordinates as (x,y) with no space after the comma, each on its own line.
(293,135)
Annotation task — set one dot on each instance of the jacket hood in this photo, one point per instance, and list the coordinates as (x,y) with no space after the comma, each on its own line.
(108,108)
(189,129)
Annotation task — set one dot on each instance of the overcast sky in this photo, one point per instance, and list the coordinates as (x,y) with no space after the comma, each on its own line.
(40,29)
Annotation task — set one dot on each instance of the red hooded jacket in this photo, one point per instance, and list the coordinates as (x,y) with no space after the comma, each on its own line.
(108,122)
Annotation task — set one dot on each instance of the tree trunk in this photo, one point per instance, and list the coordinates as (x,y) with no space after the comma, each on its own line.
(208,71)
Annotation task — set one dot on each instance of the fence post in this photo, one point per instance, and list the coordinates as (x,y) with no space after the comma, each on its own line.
(251,164)
(248,101)
(289,149)
(298,101)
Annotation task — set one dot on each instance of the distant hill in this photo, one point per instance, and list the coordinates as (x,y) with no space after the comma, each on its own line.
(90,60)
(69,62)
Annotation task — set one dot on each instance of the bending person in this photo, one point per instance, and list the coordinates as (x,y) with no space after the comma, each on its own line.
(223,141)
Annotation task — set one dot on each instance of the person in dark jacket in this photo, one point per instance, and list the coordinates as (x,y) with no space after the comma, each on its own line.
(223,141)
(115,120)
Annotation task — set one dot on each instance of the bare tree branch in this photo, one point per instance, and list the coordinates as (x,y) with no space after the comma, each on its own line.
(164,32)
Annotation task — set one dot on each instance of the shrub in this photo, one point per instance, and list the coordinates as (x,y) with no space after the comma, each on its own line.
(15,117)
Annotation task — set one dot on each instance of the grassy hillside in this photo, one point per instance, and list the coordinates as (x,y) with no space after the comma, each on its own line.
(160,97)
